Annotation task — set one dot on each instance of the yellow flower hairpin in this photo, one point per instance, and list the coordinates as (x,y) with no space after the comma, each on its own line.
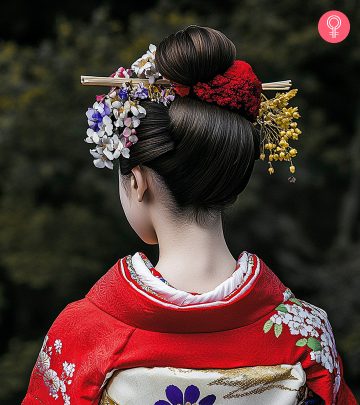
(278,129)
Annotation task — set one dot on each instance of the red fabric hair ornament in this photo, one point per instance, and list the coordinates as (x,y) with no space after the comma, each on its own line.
(238,88)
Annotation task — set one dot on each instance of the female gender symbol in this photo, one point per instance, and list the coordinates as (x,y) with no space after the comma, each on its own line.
(337,22)
(333,28)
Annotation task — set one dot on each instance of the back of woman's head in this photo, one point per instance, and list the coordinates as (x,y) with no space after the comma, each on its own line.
(202,152)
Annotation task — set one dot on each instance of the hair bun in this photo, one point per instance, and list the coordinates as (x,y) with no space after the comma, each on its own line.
(195,54)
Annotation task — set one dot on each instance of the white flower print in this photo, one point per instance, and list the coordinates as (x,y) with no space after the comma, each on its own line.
(326,359)
(69,368)
(58,345)
(299,313)
(313,320)
(298,327)
(52,380)
(282,317)
(313,327)
(66,399)
(62,386)
(276,319)
(316,356)
(337,381)
(43,362)
(287,294)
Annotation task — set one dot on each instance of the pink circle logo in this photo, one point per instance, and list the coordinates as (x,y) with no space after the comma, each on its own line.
(334,26)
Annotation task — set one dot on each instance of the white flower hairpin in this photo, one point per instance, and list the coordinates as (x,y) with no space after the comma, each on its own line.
(114,117)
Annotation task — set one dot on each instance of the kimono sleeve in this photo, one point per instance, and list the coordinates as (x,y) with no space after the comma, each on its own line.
(324,370)
(75,356)
(332,389)
(51,374)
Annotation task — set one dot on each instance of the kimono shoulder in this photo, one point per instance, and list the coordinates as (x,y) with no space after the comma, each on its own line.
(75,355)
(307,329)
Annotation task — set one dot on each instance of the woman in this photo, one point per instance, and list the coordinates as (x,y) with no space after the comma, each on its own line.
(199,327)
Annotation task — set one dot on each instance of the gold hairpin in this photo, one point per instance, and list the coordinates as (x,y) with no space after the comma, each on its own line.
(116,81)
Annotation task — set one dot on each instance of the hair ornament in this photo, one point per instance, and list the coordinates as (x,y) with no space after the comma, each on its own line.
(278,129)
(114,116)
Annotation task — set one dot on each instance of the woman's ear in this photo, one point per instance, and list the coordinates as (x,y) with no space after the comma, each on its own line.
(139,182)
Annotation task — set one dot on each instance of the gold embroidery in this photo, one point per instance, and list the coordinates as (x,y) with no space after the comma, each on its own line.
(249,380)
(256,380)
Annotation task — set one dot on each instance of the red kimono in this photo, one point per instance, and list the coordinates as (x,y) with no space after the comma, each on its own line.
(135,339)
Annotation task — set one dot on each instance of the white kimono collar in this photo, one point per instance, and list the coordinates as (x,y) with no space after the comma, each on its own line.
(142,265)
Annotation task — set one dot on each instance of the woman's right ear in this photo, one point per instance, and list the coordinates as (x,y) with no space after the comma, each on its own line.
(139,181)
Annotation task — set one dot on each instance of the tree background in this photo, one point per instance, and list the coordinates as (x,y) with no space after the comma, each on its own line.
(61,223)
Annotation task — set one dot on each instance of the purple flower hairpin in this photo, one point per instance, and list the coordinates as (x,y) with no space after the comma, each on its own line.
(114,117)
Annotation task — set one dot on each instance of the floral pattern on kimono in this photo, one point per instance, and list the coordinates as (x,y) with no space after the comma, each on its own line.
(312,326)
(55,383)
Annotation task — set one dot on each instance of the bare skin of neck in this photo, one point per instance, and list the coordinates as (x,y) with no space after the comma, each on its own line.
(193,258)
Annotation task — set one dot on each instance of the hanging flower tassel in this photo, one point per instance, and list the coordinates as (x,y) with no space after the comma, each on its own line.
(278,130)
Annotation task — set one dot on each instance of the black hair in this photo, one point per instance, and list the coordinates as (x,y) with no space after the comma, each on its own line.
(202,152)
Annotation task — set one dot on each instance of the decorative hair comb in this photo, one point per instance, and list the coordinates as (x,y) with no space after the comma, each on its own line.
(114,116)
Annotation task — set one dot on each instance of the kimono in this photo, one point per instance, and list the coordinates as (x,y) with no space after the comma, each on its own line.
(134,339)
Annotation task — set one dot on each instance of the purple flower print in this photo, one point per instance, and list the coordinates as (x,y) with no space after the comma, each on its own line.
(192,394)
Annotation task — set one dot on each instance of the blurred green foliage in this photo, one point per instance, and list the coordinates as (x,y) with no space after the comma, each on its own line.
(61,224)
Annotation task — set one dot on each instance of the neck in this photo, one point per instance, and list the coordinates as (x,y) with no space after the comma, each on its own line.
(194,258)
